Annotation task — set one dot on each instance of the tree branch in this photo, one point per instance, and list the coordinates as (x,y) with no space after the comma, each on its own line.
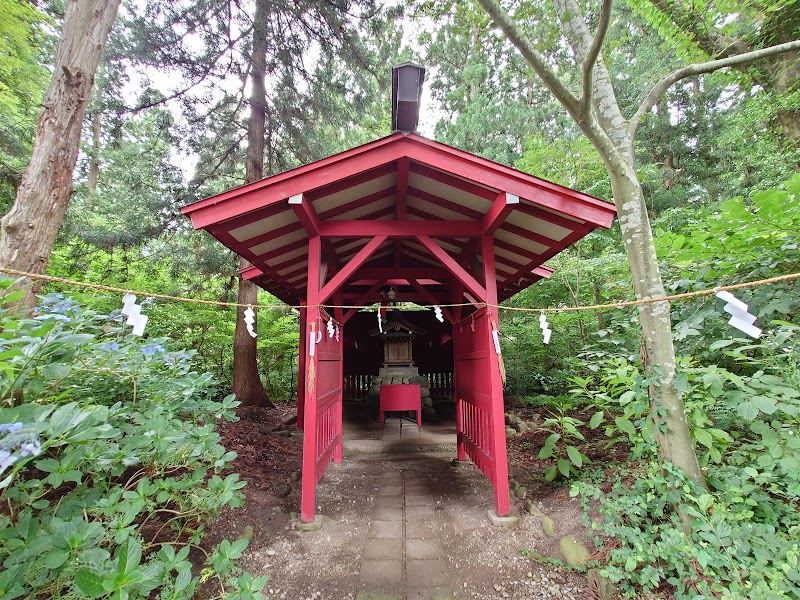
(531,55)
(699,69)
(591,58)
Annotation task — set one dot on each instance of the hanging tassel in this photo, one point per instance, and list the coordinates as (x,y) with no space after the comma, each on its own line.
(500,362)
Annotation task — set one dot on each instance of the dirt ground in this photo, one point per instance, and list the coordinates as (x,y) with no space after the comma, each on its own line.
(482,561)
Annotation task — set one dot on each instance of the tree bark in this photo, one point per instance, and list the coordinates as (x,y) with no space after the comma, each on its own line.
(247,383)
(598,115)
(29,229)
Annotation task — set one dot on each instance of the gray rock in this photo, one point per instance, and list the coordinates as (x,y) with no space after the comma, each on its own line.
(520,492)
(405,380)
(532,509)
(295,476)
(510,432)
(427,402)
(425,391)
(575,554)
(428,412)
(521,426)
(282,433)
(419,380)
(284,490)
(548,526)
(289,419)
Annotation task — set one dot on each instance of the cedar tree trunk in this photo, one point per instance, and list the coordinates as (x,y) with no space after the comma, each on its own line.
(246,380)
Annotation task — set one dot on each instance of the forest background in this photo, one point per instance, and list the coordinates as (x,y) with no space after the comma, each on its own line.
(717,156)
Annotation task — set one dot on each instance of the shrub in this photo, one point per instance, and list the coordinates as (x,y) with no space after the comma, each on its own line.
(112,466)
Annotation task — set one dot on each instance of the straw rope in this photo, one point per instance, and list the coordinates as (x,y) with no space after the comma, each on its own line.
(553,309)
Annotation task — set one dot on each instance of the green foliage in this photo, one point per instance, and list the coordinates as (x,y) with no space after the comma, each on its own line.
(732,551)
(562,443)
(744,424)
(23,80)
(115,467)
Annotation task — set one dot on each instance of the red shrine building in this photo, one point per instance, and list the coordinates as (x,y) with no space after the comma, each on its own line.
(410,219)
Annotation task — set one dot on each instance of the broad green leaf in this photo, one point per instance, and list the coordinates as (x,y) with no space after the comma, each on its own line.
(703,437)
(564,466)
(574,456)
(625,426)
(89,583)
(765,404)
(596,419)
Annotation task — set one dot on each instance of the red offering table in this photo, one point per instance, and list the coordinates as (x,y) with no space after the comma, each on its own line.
(401,397)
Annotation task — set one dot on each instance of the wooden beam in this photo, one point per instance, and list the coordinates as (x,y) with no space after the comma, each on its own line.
(497,214)
(402,186)
(400,229)
(456,269)
(403,272)
(305,214)
(348,269)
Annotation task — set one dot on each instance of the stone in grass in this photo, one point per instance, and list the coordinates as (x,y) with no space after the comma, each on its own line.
(600,586)
(295,476)
(289,419)
(284,490)
(521,426)
(575,554)
(532,509)
(282,433)
(520,492)
(510,432)
(548,526)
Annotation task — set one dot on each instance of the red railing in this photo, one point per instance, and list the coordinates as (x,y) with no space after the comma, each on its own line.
(479,403)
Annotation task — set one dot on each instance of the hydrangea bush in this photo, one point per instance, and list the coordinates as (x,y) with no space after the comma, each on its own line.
(110,462)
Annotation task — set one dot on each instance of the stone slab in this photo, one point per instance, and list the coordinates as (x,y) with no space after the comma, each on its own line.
(427,549)
(419,513)
(383,549)
(419,530)
(499,521)
(424,500)
(314,525)
(388,502)
(382,513)
(379,574)
(390,490)
(427,573)
(385,529)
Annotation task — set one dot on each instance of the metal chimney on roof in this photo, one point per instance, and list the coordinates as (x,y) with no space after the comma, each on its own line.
(407,81)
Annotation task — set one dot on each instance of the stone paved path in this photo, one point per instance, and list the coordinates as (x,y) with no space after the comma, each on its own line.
(400,521)
(404,556)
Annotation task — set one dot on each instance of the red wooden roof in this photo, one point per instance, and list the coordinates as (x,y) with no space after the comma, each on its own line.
(400,186)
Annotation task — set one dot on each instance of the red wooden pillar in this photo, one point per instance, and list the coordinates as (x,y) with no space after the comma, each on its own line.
(338,314)
(309,480)
(497,417)
(301,366)
(456,297)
